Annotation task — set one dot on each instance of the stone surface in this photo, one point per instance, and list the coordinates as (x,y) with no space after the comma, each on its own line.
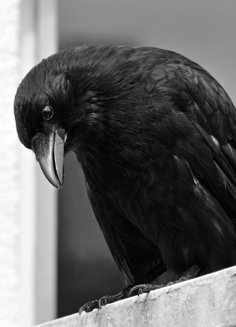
(206,301)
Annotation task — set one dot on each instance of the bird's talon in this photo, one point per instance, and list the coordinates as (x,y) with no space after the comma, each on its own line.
(103,301)
(139,289)
(90,306)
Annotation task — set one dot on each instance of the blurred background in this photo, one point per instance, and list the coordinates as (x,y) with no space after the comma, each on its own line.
(52,254)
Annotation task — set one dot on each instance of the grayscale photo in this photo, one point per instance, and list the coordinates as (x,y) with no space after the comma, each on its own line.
(118,163)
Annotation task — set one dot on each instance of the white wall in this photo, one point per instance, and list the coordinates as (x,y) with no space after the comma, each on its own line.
(27,243)
(10,220)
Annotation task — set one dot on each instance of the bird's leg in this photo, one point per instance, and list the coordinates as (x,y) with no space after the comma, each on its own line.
(97,304)
(145,288)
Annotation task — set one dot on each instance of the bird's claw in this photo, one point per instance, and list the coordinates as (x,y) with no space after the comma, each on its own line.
(110,299)
(98,304)
(89,306)
(143,288)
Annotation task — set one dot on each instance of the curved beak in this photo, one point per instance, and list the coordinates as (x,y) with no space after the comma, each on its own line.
(49,151)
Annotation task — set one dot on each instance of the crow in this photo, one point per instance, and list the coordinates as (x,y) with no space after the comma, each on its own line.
(155,135)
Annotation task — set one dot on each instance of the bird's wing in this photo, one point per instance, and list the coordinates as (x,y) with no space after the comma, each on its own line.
(138,259)
(200,134)
(206,119)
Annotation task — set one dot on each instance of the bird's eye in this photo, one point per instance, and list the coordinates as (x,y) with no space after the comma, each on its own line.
(47,113)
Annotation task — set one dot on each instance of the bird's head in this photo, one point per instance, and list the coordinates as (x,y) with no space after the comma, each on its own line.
(78,99)
(41,119)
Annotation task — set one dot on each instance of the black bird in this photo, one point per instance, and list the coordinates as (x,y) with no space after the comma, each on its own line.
(155,135)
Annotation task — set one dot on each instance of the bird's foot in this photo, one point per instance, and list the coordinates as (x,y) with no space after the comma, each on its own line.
(98,304)
(146,288)
(143,288)
(111,298)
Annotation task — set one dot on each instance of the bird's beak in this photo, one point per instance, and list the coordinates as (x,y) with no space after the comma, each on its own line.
(49,151)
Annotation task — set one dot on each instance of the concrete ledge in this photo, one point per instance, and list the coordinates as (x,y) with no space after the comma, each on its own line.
(202,302)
